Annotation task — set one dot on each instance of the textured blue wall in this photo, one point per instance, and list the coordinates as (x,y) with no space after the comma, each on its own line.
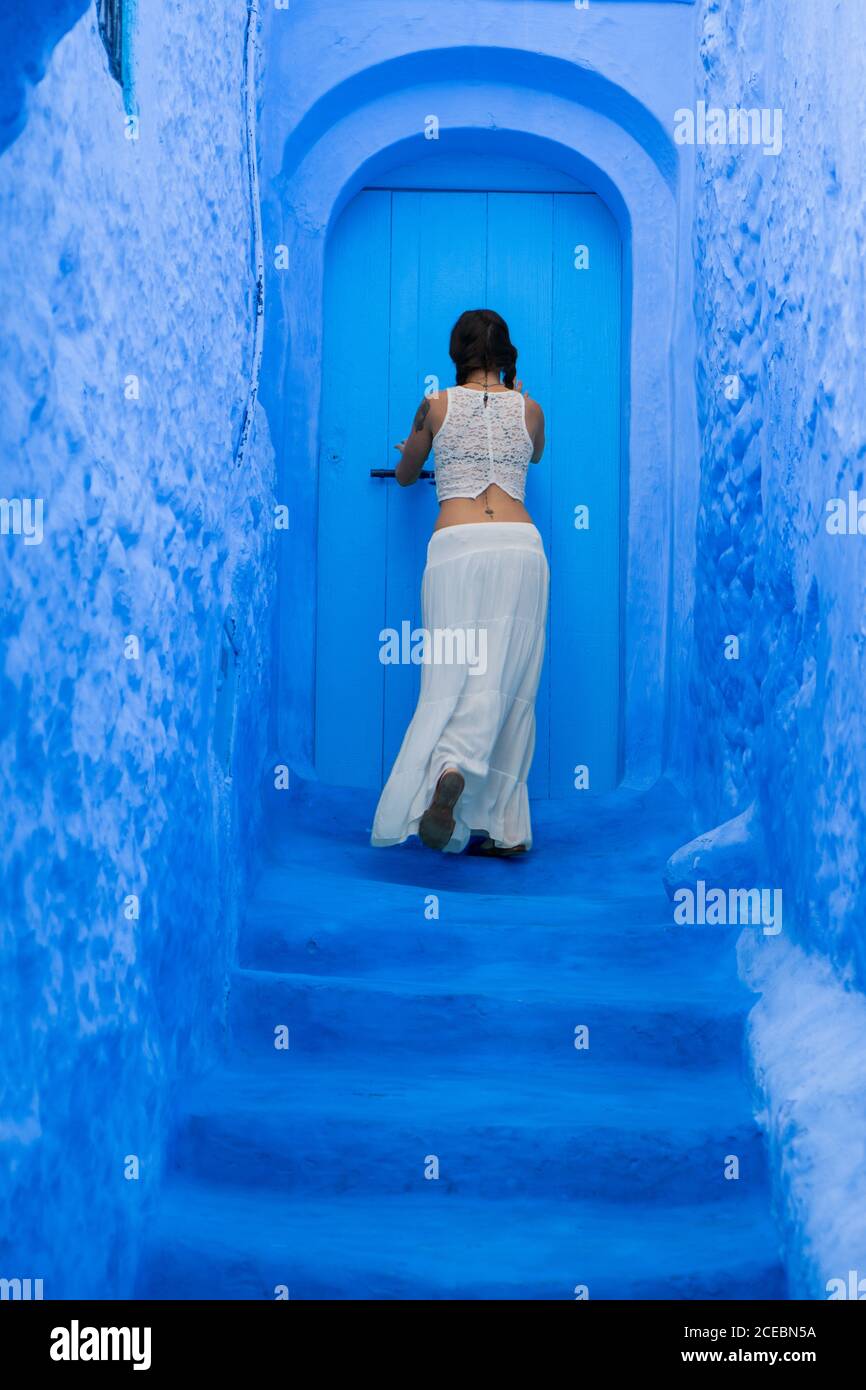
(780,303)
(122,258)
(28,35)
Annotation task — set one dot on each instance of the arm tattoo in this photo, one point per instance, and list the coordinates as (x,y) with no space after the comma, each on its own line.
(421,415)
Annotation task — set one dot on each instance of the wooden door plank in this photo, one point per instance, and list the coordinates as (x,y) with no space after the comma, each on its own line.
(585,564)
(438,260)
(520,288)
(352,506)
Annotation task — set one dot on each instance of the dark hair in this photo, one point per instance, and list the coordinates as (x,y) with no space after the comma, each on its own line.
(480,342)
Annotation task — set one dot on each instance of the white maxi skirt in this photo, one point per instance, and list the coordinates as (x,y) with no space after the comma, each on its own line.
(484,610)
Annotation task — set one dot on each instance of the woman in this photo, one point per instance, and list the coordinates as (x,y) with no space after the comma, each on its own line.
(465,759)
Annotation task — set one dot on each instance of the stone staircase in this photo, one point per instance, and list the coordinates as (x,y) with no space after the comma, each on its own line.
(432,1004)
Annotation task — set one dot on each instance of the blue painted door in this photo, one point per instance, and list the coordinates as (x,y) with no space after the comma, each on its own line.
(402,266)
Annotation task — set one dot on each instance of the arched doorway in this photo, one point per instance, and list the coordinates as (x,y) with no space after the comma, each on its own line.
(402,263)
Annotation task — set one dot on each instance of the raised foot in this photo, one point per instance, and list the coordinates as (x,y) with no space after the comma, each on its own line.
(437,823)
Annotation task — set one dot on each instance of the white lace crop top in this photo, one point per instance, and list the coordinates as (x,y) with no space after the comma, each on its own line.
(478,445)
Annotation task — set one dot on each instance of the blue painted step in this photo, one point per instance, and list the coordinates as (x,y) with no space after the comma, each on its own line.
(468,1015)
(573,1131)
(211,1242)
(309,920)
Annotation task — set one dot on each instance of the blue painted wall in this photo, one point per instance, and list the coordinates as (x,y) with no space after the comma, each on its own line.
(121,260)
(781,306)
(28,35)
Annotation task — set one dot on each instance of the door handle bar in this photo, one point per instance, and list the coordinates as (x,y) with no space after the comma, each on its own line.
(392,473)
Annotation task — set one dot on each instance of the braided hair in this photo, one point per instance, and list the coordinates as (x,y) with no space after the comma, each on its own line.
(480,342)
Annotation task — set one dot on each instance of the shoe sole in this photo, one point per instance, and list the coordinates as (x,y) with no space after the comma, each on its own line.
(437,823)
(514,852)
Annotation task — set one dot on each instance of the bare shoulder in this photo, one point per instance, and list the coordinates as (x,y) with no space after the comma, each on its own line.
(534,413)
(430,413)
(437,409)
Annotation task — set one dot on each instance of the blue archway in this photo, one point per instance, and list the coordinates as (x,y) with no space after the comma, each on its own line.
(561,117)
